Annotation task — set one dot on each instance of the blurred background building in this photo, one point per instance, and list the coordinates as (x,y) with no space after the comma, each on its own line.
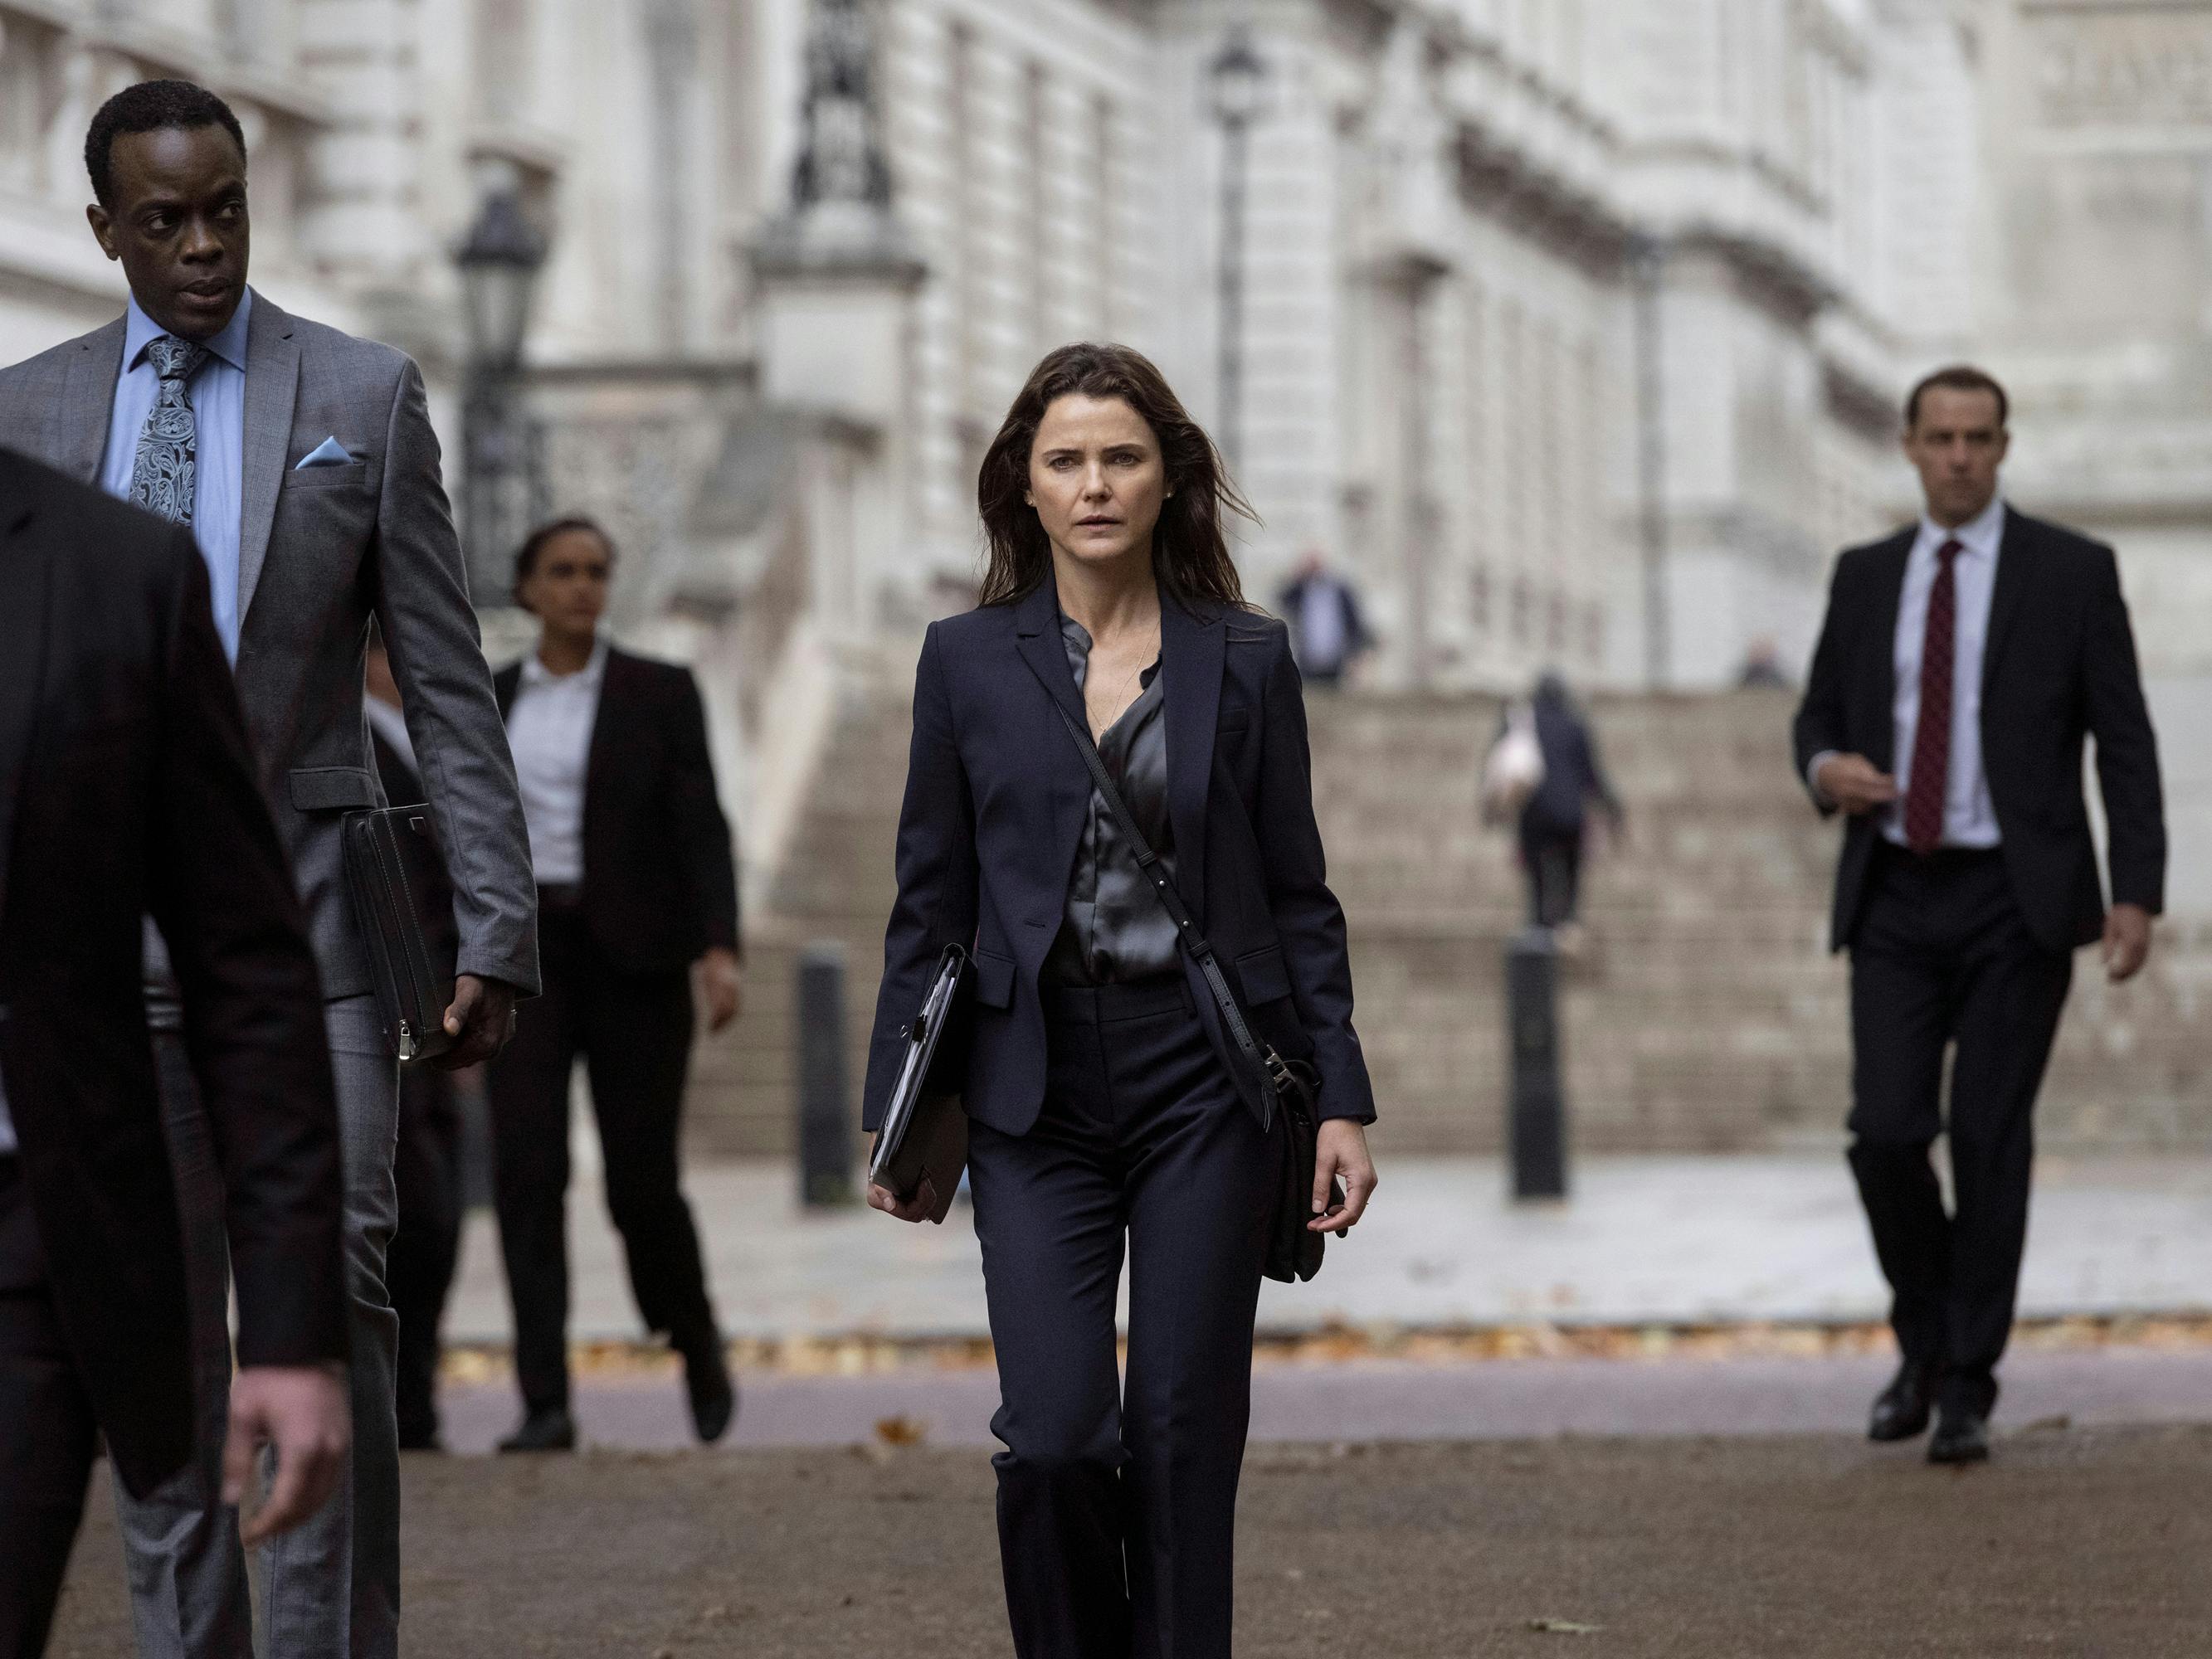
(1573,332)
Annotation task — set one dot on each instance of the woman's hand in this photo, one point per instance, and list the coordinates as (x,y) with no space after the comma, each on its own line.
(1341,1154)
(920,1207)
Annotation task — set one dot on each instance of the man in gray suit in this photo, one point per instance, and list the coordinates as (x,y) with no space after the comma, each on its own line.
(304,462)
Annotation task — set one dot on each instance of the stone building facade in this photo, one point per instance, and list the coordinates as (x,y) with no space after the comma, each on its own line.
(1573,332)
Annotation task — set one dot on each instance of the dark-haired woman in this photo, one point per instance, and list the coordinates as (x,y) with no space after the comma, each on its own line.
(637,892)
(1106,1103)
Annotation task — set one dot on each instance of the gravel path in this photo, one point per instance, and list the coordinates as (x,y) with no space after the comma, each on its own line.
(2078,1542)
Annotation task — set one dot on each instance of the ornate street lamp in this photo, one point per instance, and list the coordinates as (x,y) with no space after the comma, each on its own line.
(1237,86)
(502,477)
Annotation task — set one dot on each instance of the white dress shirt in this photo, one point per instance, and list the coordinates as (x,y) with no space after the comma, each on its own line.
(549,729)
(217,395)
(1969,819)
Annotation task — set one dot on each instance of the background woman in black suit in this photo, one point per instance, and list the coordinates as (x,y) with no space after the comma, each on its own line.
(637,889)
(1105,1103)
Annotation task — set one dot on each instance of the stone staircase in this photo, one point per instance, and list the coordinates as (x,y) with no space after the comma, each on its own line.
(1704,1013)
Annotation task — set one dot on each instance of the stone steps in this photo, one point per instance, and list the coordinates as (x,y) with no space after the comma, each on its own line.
(1705,1014)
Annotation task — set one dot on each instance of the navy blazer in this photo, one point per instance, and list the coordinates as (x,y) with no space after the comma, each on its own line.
(995,799)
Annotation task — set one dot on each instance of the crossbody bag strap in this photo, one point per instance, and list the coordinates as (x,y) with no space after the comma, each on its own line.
(1264,1060)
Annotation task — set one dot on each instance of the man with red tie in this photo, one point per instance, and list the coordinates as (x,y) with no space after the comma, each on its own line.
(1964,662)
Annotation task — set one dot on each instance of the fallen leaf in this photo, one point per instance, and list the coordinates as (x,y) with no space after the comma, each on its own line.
(901,1431)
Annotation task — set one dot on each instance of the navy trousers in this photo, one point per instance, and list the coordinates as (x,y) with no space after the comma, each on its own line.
(1117,1499)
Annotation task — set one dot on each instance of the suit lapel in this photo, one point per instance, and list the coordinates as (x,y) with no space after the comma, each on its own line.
(272,383)
(606,723)
(24,579)
(2015,572)
(1036,636)
(88,403)
(1879,683)
(1192,652)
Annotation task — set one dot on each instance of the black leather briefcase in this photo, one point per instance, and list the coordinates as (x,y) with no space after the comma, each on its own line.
(405,901)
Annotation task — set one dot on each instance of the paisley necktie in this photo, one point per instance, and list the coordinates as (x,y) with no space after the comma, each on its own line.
(167,468)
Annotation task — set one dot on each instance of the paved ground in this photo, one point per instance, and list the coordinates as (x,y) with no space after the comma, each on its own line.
(1387,1400)
(2088,1543)
(1673,1240)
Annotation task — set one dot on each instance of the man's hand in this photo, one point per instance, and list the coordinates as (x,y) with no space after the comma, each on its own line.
(1341,1152)
(2127,941)
(917,1208)
(721,986)
(300,1412)
(482,1017)
(1854,784)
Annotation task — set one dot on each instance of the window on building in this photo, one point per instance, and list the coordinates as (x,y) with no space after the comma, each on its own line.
(962,256)
(1036,210)
(1105,157)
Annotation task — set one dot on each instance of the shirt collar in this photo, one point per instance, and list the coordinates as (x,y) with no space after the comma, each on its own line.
(535,672)
(1977,538)
(140,331)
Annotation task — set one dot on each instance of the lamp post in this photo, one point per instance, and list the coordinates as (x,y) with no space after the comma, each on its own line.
(1238,82)
(502,469)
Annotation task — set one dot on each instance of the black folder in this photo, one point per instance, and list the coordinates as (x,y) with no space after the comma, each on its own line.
(925,1133)
(405,902)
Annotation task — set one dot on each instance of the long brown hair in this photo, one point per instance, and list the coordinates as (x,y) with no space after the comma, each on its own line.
(1190,555)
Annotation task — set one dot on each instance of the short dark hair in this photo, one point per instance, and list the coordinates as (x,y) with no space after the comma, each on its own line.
(151,106)
(1958,377)
(525,556)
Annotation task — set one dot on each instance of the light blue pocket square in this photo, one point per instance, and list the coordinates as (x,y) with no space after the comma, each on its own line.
(328,452)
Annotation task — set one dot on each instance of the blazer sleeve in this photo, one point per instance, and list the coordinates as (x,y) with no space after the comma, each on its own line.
(222,895)
(2127,748)
(1820,726)
(702,834)
(1308,918)
(421,597)
(937,876)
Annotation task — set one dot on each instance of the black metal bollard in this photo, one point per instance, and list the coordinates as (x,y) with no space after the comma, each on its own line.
(1537,1123)
(825,1129)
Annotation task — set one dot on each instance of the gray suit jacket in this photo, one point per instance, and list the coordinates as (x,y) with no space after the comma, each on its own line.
(319,552)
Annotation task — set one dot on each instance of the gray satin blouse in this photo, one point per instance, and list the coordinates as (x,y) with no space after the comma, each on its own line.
(1114,929)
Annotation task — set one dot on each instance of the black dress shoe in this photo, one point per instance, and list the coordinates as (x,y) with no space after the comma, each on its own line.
(550,1431)
(1962,1435)
(706,1380)
(1900,1411)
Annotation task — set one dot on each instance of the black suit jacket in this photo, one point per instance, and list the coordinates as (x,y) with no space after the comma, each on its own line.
(125,790)
(660,881)
(995,798)
(2059,666)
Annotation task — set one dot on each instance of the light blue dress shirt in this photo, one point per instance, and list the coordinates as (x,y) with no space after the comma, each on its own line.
(217,394)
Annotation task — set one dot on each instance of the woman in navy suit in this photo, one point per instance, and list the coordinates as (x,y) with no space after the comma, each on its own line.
(1105,1101)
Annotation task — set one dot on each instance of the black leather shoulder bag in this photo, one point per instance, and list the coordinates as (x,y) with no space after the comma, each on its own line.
(1288,1089)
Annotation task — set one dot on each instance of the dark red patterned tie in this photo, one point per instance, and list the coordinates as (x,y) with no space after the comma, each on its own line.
(1931,742)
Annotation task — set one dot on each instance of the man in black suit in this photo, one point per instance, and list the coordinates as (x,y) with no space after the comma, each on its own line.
(127,790)
(1963,663)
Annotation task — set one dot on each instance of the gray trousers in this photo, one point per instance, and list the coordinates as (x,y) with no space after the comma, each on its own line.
(332,1587)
